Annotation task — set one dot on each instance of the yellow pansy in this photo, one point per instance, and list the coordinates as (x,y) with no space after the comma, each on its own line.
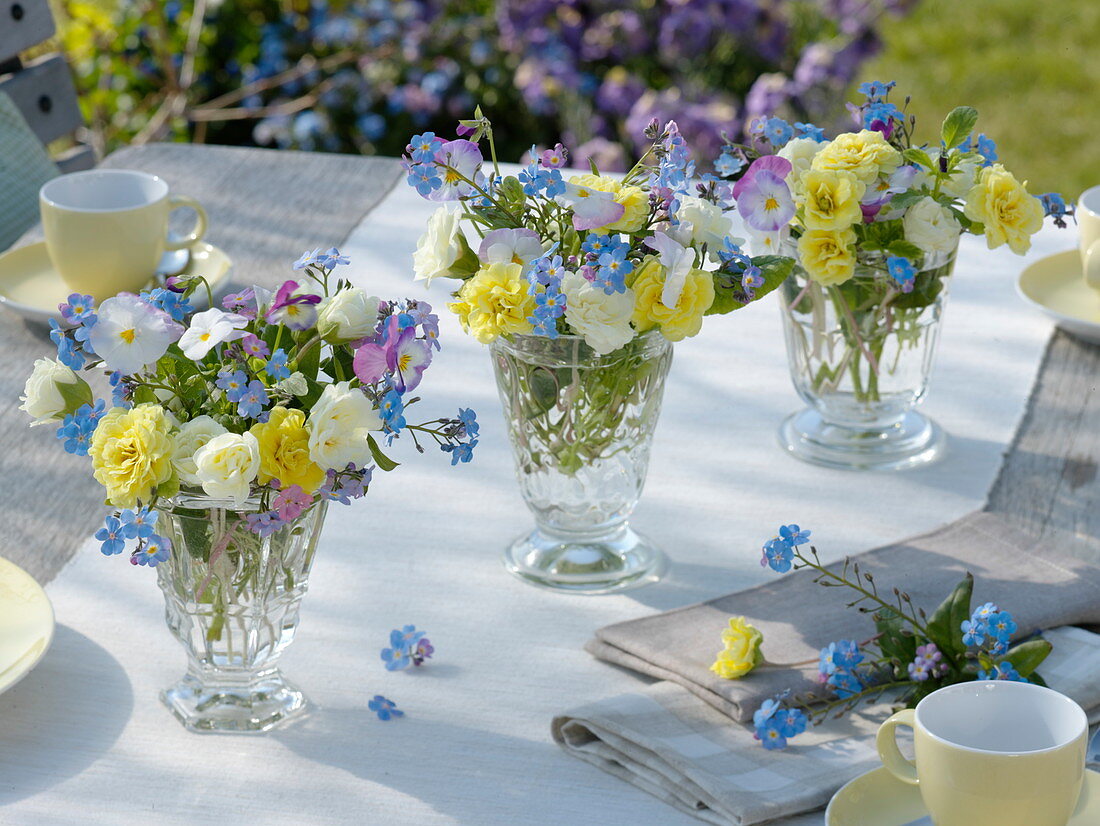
(677,323)
(742,652)
(830,199)
(828,255)
(284,451)
(634,200)
(865,154)
(495,302)
(131,452)
(1000,202)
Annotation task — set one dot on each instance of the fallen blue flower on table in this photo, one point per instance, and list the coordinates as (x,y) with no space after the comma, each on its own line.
(385,709)
(407,647)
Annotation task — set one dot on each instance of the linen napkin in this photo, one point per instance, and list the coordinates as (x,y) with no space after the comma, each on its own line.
(665,740)
(1040,586)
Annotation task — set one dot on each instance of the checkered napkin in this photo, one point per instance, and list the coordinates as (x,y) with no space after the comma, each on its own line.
(667,741)
(24,167)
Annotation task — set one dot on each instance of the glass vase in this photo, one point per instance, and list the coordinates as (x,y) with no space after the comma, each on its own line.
(861,356)
(231,599)
(581,426)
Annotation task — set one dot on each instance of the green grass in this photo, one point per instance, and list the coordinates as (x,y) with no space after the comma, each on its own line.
(1030,67)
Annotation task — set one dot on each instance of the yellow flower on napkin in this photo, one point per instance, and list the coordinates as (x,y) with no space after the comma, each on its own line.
(742,652)
(1010,214)
(495,302)
(131,452)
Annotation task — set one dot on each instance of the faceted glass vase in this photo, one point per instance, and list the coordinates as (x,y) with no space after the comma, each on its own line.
(581,426)
(861,356)
(231,599)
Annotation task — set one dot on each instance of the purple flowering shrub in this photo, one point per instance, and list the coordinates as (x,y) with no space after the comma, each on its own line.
(909,655)
(359,75)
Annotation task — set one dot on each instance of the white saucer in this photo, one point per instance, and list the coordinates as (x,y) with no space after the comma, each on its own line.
(26,623)
(1054,285)
(30,286)
(877,798)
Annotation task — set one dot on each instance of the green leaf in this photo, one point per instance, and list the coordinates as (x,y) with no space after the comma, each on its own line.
(957,125)
(381,459)
(544,390)
(895,640)
(919,156)
(905,249)
(74,394)
(773,268)
(592,165)
(945,625)
(904,200)
(1027,656)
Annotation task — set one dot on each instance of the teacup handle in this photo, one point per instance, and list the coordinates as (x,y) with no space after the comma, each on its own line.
(1091,262)
(176,242)
(888,749)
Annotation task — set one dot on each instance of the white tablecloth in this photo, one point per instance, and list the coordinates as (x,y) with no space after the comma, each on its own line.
(84,736)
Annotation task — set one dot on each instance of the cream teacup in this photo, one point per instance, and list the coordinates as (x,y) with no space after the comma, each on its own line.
(992,753)
(106,229)
(1088,224)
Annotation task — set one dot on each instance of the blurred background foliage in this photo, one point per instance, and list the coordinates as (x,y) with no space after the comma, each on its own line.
(363,75)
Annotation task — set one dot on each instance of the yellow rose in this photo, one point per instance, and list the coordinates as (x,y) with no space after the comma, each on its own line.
(132,452)
(677,323)
(828,255)
(1003,205)
(865,154)
(284,451)
(742,652)
(494,302)
(831,199)
(634,200)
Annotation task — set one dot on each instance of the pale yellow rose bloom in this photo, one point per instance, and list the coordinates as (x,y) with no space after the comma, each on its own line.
(284,451)
(131,452)
(679,322)
(865,154)
(494,302)
(830,199)
(742,652)
(634,200)
(828,256)
(1000,202)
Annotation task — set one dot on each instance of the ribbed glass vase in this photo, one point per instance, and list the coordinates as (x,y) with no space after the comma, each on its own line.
(581,426)
(232,599)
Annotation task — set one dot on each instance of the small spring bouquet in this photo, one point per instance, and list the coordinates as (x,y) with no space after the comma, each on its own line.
(909,655)
(271,404)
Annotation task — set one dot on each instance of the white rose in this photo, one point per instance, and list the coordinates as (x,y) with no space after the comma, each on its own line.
(349,315)
(800,152)
(192,436)
(709,225)
(439,246)
(339,425)
(603,320)
(43,397)
(963,178)
(226,465)
(931,226)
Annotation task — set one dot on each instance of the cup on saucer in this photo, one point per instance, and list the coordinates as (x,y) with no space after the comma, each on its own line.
(1088,223)
(106,229)
(992,753)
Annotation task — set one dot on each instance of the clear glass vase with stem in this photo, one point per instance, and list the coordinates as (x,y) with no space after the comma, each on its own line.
(231,600)
(861,356)
(581,425)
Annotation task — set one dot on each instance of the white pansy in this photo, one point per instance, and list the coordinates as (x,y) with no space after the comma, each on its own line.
(439,247)
(130,333)
(931,226)
(42,396)
(349,315)
(767,243)
(226,465)
(192,436)
(510,246)
(339,425)
(602,320)
(677,259)
(209,329)
(709,224)
(800,152)
(963,178)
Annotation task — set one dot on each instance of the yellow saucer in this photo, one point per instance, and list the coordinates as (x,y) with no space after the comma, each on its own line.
(30,286)
(1056,287)
(877,798)
(26,623)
